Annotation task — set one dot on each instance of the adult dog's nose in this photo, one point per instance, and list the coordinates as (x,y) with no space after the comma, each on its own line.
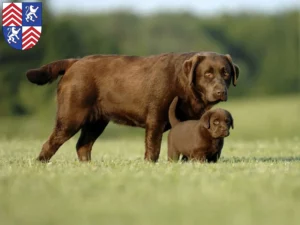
(222,94)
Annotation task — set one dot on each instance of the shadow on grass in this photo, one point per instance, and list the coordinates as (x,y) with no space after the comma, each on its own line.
(260,159)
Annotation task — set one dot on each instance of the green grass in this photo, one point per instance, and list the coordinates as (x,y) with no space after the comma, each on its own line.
(254,183)
(257,180)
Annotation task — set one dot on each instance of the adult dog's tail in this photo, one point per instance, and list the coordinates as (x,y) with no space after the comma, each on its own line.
(50,72)
(172,115)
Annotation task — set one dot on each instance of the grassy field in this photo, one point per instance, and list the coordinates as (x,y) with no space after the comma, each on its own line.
(257,180)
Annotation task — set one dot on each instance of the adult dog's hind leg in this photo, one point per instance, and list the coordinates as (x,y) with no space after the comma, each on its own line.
(89,134)
(63,131)
(71,116)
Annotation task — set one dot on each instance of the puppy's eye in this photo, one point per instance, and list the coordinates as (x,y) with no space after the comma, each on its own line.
(216,122)
(209,75)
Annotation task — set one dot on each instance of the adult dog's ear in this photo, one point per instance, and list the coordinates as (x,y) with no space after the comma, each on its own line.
(205,119)
(235,68)
(190,65)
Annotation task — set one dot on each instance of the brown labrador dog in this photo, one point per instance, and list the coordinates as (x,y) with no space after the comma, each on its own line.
(200,140)
(131,90)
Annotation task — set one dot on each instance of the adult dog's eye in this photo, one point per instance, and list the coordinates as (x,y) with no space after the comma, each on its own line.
(225,74)
(216,122)
(209,75)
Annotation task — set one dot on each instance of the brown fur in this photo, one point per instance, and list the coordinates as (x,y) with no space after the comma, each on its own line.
(50,72)
(200,140)
(131,90)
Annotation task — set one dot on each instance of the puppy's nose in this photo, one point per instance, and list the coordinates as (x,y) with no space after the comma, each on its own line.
(224,129)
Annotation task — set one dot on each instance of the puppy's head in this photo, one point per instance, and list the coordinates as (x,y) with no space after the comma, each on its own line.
(210,75)
(217,122)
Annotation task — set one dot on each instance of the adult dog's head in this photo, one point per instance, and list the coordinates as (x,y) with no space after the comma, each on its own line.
(210,75)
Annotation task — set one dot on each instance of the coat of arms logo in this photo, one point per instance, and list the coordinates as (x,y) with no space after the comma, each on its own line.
(22,24)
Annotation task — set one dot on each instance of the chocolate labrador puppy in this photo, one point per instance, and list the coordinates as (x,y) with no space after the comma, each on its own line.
(200,140)
(131,90)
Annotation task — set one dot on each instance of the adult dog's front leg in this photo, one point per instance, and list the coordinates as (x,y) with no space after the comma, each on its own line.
(154,132)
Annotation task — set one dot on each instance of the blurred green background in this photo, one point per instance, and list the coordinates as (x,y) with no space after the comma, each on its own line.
(265,103)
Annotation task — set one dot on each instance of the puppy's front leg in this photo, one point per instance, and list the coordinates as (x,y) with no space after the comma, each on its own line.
(215,157)
(173,155)
(154,132)
(199,156)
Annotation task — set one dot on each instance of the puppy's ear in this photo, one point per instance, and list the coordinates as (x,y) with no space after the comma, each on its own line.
(235,68)
(205,119)
(231,119)
(190,65)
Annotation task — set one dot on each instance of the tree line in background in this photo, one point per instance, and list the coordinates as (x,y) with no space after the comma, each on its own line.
(266,47)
